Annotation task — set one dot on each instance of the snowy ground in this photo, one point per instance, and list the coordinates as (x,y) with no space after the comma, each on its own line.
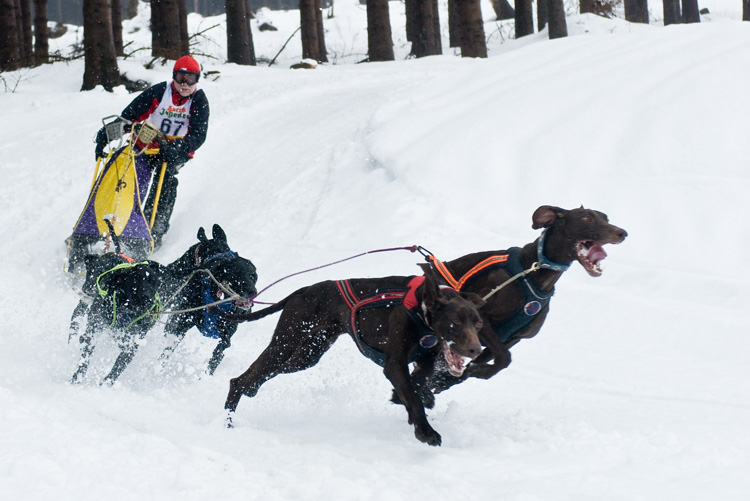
(637,387)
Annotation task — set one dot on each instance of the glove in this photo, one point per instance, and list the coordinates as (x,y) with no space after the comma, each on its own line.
(101,142)
(172,154)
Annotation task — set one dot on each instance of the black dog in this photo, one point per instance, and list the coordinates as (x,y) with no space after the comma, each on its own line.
(430,322)
(518,284)
(204,275)
(126,298)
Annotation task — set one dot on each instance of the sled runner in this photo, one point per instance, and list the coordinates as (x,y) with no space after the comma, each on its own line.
(117,195)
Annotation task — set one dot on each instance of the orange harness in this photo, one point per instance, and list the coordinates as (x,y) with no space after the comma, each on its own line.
(535,299)
(459,284)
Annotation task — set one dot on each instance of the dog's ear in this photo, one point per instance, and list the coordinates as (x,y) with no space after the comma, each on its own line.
(426,268)
(202,235)
(546,215)
(474,299)
(219,234)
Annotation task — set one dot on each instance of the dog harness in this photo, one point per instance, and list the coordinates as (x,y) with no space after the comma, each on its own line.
(210,320)
(122,320)
(408,297)
(535,299)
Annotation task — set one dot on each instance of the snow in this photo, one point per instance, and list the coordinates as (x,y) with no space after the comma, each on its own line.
(636,388)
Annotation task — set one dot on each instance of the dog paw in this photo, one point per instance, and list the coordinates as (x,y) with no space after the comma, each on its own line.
(429,436)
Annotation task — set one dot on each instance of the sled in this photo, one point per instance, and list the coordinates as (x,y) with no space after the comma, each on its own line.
(117,195)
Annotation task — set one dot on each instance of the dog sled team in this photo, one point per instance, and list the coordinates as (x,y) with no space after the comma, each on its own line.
(455,320)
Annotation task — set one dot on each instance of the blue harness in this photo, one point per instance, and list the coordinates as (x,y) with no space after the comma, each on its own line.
(210,320)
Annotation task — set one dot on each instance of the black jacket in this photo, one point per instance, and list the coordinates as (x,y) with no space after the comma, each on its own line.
(143,105)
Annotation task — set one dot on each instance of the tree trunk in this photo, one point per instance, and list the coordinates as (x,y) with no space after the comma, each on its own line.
(41,34)
(131,8)
(558,27)
(690,12)
(503,10)
(542,14)
(587,7)
(27,37)
(184,35)
(117,26)
(309,29)
(636,11)
(10,52)
(454,34)
(100,59)
(423,27)
(524,18)
(746,10)
(379,36)
(672,12)
(322,52)
(166,38)
(471,28)
(239,45)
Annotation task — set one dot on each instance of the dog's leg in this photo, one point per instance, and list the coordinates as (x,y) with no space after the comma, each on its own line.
(226,331)
(75,325)
(128,347)
(87,340)
(420,378)
(397,373)
(289,351)
(177,326)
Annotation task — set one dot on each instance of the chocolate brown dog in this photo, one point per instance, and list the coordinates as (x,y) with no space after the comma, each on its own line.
(393,321)
(517,285)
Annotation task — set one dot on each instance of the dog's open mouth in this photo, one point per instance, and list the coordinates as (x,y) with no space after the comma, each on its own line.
(243,303)
(591,254)
(456,363)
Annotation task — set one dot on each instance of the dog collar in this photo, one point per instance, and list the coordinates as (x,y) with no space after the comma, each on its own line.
(543,261)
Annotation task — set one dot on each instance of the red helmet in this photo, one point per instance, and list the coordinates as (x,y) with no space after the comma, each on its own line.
(188,64)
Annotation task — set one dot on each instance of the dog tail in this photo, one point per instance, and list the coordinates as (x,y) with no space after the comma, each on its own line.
(257,315)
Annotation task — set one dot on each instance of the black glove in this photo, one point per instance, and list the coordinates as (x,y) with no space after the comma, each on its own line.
(172,154)
(101,142)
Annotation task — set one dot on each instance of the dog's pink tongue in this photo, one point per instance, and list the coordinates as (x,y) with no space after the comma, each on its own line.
(596,253)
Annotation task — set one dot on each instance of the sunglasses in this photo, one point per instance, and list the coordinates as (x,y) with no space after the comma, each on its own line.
(183,77)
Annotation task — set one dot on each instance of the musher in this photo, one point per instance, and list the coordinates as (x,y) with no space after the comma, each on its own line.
(180,110)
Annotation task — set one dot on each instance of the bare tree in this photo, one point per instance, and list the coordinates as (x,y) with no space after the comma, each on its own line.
(524,18)
(100,59)
(322,52)
(309,29)
(10,51)
(131,8)
(27,38)
(166,29)
(379,36)
(503,9)
(636,11)
(690,12)
(117,26)
(558,27)
(470,28)
(542,14)
(240,48)
(672,12)
(184,36)
(41,33)
(423,27)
